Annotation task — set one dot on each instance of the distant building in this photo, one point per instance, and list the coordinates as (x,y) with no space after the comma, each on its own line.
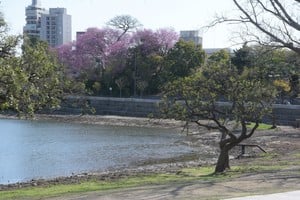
(53,26)
(33,14)
(191,35)
(210,51)
(79,34)
(56,27)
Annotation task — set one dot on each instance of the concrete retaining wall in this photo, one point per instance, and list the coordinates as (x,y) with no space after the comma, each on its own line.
(284,114)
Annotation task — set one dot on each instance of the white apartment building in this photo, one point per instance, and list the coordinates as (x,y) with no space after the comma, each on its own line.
(33,14)
(56,27)
(53,25)
(191,35)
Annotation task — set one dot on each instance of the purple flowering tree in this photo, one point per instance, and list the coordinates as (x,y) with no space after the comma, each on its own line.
(100,55)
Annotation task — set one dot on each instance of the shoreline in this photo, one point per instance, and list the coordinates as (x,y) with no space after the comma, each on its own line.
(111,120)
(149,166)
(206,141)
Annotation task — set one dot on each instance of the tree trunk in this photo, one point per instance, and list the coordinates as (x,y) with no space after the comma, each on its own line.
(223,161)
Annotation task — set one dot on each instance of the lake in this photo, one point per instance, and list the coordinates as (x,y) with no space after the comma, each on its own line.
(44,149)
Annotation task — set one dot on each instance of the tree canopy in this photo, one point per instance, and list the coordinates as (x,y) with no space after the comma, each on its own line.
(33,80)
(100,58)
(196,99)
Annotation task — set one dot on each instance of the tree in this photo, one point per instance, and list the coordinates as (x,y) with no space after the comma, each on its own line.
(196,99)
(95,53)
(243,57)
(8,43)
(45,84)
(121,83)
(182,59)
(125,23)
(283,88)
(31,81)
(268,22)
(221,56)
(147,54)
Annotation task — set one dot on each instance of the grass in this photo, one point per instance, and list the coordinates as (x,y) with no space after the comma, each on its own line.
(203,173)
(187,174)
(263,164)
(261,126)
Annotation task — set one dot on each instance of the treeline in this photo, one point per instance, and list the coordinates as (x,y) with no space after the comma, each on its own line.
(142,62)
(124,62)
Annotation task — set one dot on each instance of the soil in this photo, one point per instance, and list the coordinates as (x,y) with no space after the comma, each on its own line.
(282,143)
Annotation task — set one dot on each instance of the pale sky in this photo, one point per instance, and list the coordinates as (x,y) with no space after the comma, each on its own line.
(153,14)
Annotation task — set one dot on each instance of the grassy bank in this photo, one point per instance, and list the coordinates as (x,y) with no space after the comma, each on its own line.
(184,175)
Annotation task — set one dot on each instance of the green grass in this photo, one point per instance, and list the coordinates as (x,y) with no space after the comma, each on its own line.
(203,173)
(261,126)
(185,175)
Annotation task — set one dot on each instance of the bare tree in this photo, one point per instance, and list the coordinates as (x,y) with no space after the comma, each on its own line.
(124,23)
(121,83)
(268,22)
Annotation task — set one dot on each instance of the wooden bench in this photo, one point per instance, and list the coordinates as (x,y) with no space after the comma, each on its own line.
(243,148)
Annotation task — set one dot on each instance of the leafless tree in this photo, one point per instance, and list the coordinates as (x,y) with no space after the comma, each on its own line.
(268,22)
(124,23)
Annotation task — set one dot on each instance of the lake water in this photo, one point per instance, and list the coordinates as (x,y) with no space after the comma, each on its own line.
(35,149)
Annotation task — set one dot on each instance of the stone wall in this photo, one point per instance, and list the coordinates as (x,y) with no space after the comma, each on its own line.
(287,114)
(284,114)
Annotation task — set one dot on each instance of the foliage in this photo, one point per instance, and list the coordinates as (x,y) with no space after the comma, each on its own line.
(243,57)
(221,57)
(44,86)
(146,60)
(182,60)
(196,98)
(11,81)
(271,64)
(8,42)
(283,88)
(31,81)
(101,56)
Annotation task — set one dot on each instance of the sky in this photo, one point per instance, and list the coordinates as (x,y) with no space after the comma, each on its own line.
(152,14)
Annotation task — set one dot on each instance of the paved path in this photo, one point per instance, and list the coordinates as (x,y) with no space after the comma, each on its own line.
(243,186)
(295,195)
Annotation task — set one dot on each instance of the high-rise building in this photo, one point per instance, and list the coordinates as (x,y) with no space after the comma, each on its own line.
(193,36)
(53,25)
(33,14)
(56,27)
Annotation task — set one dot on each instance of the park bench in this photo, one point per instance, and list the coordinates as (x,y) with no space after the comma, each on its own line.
(243,149)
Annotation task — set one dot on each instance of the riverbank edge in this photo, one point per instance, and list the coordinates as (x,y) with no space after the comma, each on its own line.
(110,120)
